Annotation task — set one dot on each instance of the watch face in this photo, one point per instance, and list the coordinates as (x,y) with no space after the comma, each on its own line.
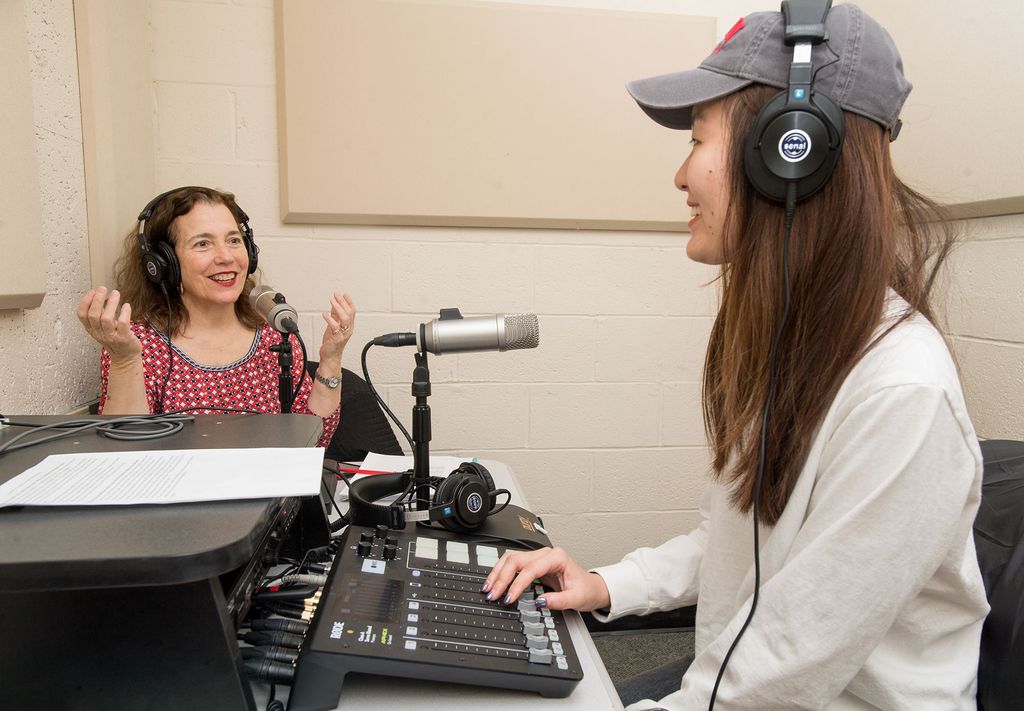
(331,382)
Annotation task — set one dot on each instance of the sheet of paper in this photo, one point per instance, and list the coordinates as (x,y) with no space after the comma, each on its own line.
(166,477)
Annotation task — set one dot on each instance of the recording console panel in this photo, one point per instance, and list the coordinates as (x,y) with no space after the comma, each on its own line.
(407,603)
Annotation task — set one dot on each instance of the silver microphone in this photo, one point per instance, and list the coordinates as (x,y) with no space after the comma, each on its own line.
(270,304)
(454,334)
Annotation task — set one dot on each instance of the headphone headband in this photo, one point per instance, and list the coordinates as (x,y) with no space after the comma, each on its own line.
(798,134)
(805,21)
(462,501)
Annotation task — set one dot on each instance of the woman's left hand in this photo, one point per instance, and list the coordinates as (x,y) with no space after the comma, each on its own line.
(341,323)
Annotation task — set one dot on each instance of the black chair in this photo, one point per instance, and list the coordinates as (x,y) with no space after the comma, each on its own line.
(363,427)
(999,539)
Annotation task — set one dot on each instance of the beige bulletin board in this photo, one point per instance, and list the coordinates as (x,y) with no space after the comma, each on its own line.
(467,112)
(22,269)
(452,112)
(961,140)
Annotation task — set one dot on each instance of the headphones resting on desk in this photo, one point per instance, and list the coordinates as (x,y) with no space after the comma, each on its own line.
(462,500)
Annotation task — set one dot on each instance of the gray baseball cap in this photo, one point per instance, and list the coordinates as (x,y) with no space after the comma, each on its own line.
(867,79)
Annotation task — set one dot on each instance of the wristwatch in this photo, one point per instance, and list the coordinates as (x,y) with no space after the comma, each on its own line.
(332,382)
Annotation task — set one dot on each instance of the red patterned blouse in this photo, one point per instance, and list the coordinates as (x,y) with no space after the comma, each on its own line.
(250,383)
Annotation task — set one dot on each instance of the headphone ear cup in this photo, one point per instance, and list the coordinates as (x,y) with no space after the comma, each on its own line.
(797,145)
(446,489)
(481,471)
(160,265)
(445,495)
(467,491)
(172,271)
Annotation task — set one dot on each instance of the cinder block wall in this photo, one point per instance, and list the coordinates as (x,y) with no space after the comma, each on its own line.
(601,423)
(984,303)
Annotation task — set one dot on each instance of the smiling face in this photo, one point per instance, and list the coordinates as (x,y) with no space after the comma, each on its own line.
(704,178)
(212,255)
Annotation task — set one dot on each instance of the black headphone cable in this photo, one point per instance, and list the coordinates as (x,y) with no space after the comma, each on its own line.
(170,351)
(769,400)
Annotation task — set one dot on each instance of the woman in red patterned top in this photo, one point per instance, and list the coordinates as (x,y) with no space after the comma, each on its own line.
(188,269)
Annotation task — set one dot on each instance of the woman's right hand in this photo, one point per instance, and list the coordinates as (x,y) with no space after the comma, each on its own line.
(575,588)
(98,313)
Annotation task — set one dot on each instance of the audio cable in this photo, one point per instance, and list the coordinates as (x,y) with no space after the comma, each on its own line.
(305,366)
(769,400)
(380,400)
(170,351)
(126,428)
(275,654)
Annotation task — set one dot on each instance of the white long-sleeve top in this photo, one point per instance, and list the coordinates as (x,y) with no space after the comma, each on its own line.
(871,597)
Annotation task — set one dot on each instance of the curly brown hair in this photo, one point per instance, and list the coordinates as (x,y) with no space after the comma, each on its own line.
(147,299)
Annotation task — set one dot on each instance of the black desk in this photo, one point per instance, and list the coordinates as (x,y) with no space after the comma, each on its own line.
(123,607)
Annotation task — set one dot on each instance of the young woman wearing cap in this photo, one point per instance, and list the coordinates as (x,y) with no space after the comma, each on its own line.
(218,356)
(867,588)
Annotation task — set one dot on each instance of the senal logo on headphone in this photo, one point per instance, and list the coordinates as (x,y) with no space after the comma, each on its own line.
(475,502)
(794,145)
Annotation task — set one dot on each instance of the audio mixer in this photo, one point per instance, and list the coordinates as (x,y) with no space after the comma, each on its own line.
(407,603)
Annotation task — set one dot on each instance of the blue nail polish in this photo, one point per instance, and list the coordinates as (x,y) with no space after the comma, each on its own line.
(508,599)
(542,602)
(490,596)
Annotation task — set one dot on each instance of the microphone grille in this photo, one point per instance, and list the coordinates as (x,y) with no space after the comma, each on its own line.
(521,331)
(258,291)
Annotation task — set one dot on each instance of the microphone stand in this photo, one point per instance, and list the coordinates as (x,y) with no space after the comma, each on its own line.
(284,380)
(421,432)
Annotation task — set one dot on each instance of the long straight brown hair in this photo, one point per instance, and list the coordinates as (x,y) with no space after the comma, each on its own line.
(863,233)
(146,298)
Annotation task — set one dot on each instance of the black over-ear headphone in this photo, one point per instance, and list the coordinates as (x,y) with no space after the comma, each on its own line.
(798,135)
(159,261)
(462,501)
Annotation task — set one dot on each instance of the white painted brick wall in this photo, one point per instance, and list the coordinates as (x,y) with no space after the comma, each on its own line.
(595,415)
(478,278)
(631,479)
(213,43)
(599,538)
(312,269)
(602,423)
(195,122)
(993,378)
(991,268)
